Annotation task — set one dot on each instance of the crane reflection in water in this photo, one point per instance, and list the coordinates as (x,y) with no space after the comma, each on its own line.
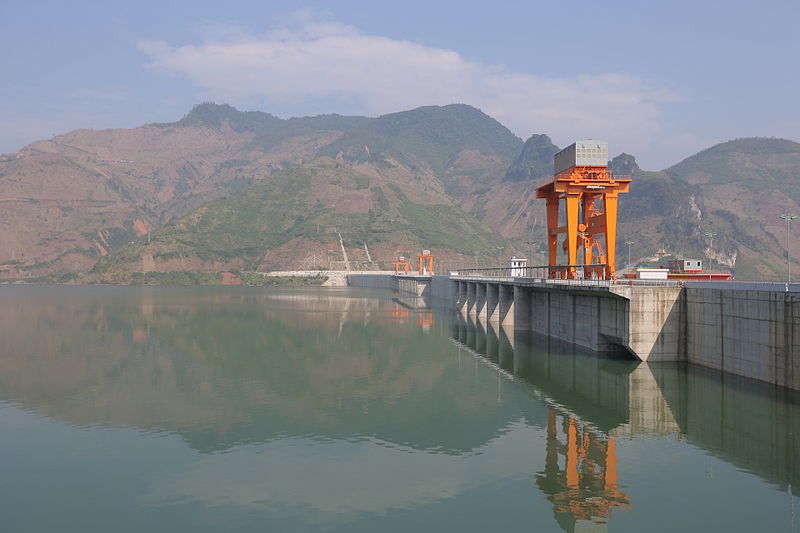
(585,488)
(591,402)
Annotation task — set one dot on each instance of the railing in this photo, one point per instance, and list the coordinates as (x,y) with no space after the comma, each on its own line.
(585,276)
(590,272)
(538,276)
(772,286)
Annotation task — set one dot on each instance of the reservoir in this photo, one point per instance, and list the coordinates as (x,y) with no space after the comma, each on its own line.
(242,409)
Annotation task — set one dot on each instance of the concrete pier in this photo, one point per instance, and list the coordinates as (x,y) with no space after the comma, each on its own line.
(480,300)
(593,319)
(505,305)
(492,303)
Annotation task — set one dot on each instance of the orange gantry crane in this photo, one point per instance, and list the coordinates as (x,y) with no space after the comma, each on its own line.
(399,264)
(425,263)
(590,193)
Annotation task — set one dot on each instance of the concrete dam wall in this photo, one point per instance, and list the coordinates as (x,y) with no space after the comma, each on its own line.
(744,332)
(439,287)
(750,333)
(373,281)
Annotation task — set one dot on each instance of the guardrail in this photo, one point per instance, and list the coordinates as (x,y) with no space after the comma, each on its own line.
(540,275)
(593,272)
(742,285)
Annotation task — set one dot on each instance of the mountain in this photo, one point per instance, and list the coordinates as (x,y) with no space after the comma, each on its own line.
(321,214)
(77,197)
(535,162)
(743,187)
(721,205)
(223,188)
(624,164)
(659,212)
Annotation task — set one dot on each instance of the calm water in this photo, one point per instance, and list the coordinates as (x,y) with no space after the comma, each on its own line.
(248,409)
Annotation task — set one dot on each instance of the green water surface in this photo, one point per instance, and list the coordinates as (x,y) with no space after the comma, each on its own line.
(312,409)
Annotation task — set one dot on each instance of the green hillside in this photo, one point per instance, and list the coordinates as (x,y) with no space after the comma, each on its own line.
(756,161)
(433,135)
(720,205)
(660,211)
(302,211)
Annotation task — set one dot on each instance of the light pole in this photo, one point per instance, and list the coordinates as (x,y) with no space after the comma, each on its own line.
(500,256)
(788,219)
(629,251)
(710,235)
(530,250)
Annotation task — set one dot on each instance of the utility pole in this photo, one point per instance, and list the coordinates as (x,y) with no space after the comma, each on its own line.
(788,219)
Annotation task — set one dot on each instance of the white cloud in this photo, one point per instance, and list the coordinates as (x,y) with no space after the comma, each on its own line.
(319,60)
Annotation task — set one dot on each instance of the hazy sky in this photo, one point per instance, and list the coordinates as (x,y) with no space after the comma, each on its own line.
(661,80)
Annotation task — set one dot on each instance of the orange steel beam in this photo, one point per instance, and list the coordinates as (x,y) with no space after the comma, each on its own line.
(571,200)
(571,466)
(552,226)
(611,475)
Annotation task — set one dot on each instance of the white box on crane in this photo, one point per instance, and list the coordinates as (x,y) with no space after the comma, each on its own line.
(589,153)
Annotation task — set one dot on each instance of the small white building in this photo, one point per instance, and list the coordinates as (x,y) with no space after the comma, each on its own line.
(517,266)
(686,265)
(652,273)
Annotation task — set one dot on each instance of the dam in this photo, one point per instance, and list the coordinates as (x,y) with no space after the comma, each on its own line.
(746,329)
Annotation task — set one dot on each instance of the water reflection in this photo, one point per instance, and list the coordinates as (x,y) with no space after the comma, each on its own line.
(594,401)
(586,489)
(621,397)
(229,367)
(334,407)
(745,422)
(406,307)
